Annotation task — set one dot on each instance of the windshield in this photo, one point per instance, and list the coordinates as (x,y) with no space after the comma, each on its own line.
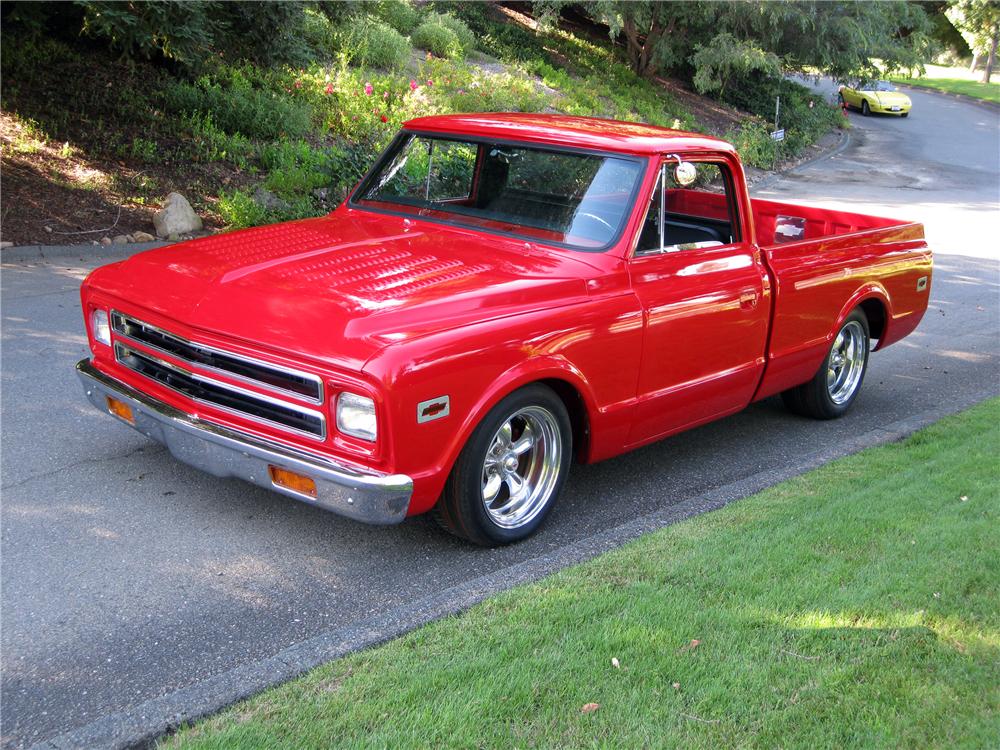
(878,86)
(561,197)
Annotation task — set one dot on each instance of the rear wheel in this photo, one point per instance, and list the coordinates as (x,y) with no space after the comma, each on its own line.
(865,109)
(509,474)
(836,384)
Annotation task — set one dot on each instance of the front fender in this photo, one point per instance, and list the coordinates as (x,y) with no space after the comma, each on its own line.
(593,348)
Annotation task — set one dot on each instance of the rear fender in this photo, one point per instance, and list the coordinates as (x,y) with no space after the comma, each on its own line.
(870,291)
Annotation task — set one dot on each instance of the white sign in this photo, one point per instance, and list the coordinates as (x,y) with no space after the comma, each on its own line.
(778,135)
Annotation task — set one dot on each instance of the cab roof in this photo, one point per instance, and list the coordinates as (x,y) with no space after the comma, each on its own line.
(562,130)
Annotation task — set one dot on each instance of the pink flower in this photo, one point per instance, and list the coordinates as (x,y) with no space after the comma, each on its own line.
(384,118)
(413,85)
(430,82)
(328,89)
(385,94)
(461,91)
(369,89)
(298,84)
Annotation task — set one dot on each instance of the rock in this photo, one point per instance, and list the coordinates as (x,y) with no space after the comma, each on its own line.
(268,200)
(173,236)
(176,217)
(48,229)
(5,243)
(95,242)
(142,237)
(321,193)
(105,240)
(120,239)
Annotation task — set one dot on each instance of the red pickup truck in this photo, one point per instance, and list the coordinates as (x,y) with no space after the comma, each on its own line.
(500,294)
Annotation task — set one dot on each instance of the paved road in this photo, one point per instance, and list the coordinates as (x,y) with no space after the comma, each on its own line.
(127,575)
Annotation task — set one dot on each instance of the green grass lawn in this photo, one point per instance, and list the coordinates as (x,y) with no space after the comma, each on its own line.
(854,606)
(956,81)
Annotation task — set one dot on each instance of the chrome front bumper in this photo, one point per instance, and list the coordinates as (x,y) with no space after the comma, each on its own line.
(223,452)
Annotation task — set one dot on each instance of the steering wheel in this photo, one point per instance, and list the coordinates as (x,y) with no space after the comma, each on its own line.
(606,231)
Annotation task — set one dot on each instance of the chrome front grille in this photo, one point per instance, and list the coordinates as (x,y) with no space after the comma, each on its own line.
(221,395)
(280,379)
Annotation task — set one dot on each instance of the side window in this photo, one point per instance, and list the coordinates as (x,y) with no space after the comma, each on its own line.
(688,217)
(431,170)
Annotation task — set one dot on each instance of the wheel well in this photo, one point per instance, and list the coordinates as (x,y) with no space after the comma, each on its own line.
(874,310)
(577,411)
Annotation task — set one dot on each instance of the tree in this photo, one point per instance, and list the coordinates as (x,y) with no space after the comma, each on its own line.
(838,38)
(979,23)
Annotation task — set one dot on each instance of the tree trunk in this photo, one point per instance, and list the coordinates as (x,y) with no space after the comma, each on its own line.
(975,62)
(991,61)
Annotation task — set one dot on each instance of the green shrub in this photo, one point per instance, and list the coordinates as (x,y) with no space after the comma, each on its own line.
(252,112)
(295,167)
(753,143)
(399,14)
(437,39)
(462,32)
(805,115)
(371,43)
(238,210)
(319,33)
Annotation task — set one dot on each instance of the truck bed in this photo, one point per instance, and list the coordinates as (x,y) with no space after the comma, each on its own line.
(822,263)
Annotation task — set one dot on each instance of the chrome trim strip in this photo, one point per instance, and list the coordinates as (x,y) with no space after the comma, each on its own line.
(120,347)
(362,494)
(215,350)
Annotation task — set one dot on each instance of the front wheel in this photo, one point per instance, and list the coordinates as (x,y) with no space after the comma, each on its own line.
(905,114)
(509,474)
(865,109)
(836,384)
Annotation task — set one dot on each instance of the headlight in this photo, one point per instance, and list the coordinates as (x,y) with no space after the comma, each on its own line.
(356,416)
(100,326)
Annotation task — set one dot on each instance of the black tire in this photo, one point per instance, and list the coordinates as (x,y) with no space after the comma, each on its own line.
(822,398)
(865,109)
(905,114)
(533,415)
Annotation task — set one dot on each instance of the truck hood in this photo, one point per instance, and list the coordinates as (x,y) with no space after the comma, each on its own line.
(338,288)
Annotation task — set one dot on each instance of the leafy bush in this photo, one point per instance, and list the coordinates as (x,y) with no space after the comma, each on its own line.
(239,109)
(805,115)
(372,43)
(437,39)
(296,168)
(462,32)
(399,14)
(753,143)
(319,32)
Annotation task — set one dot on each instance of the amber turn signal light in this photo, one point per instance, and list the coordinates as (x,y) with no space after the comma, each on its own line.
(291,481)
(120,409)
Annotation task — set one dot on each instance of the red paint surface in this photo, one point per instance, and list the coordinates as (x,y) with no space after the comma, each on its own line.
(406,310)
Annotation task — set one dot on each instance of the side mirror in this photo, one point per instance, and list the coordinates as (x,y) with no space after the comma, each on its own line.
(685,173)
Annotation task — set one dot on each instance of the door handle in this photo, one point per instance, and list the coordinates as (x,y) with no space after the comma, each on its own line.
(748,299)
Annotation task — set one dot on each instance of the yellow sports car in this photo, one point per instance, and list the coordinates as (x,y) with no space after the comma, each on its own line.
(875,96)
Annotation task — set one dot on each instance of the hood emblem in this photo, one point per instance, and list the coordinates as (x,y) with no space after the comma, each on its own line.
(434,408)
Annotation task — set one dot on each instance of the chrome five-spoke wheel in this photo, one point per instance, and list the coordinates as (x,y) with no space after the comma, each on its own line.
(837,382)
(511,470)
(846,363)
(521,467)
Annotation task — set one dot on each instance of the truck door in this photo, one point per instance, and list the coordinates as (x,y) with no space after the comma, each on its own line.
(706,302)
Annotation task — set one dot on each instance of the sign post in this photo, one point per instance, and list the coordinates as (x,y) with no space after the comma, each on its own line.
(775,135)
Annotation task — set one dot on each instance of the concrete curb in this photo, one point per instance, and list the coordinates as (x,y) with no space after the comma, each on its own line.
(29,253)
(992,106)
(145,723)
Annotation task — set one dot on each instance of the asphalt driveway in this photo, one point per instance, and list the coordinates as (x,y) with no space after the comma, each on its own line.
(127,576)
